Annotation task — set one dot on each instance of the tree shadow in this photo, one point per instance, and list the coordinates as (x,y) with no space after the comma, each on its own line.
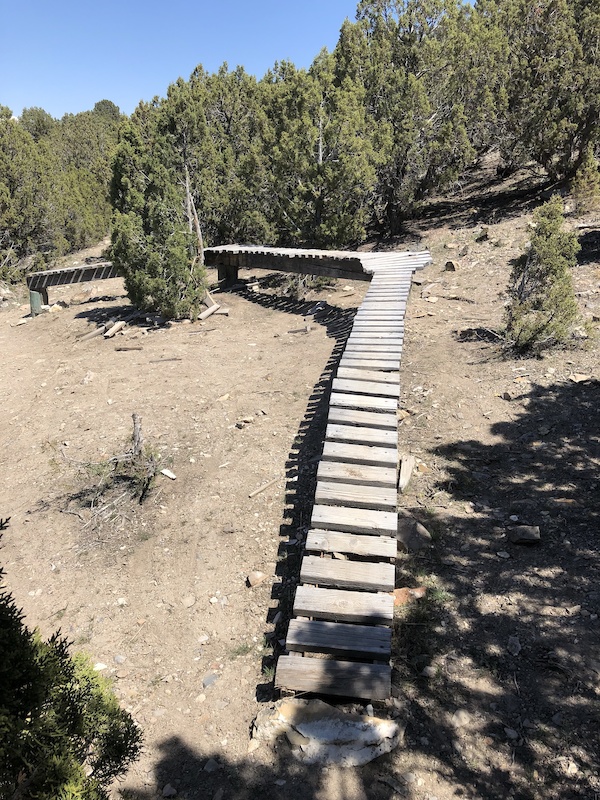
(513,637)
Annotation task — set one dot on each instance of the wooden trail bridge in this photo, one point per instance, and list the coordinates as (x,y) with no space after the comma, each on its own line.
(339,640)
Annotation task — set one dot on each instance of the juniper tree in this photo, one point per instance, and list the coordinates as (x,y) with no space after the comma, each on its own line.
(542,308)
(62,732)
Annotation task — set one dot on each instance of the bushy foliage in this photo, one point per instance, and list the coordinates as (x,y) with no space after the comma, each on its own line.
(62,732)
(54,179)
(542,308)
(585,188)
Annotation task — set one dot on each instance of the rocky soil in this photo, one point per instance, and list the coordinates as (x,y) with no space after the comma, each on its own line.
(496,668)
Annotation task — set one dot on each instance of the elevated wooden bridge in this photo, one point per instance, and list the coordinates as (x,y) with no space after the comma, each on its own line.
(339,640)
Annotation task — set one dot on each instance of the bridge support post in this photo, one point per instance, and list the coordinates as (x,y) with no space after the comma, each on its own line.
(36,300)
(227,275)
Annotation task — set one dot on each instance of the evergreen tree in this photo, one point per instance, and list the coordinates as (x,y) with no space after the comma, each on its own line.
(62,732)
(586,184)
(542,308)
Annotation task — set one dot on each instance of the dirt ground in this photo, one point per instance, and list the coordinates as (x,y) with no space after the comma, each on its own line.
(496,671)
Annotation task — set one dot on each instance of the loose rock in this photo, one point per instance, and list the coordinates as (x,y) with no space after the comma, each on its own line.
(255,578)
(524,534)
(322,734)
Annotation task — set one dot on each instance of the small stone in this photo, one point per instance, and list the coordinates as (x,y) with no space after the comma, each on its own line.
(506,396)
(428,672)
(524,534)
(219,794)
(211,765)
(280,782)
(503,554)
(511,733)
(514,645)
(255,578)
(253,745)
(369,710)
(460,718)
(169,791)
(557,718)
(213,600)
(168,474)
(119,659)
(122,601)
(204,638)
(200,698)
(188,601)
(98,667)
(209,679)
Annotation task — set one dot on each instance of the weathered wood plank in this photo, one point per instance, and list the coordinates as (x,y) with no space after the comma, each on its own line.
(339,639)
(363,402)
(357,473)
(366,419)
(379,376)
(340,678)
(406,470)
(366,387)
(392,349)
(321,541)
(369,577)
(362,364)
(354,434)
(354,495)
(343,605)
(354,520)
(360,454)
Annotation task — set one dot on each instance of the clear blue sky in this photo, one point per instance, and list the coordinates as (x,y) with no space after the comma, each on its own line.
(64,56)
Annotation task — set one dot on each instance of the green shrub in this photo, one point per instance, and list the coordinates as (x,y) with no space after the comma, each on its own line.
(63,735)
(586,184)
(542,308)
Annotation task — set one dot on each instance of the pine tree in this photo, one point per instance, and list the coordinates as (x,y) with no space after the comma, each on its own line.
(542,308)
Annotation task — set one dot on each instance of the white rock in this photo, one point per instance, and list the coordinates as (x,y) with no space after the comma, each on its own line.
(322,734)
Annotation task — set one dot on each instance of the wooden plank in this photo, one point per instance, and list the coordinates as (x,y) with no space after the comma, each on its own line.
(366,419)
(392,349)
(355,495)
(362,364)
(357,473)
(379,376)
(340,678)
(355,353)
(369,577)
(322,541)
(366,387)
(406,470)
(339,639)
(373,336)
(360,454)
(363,402)
(377,326)
(359,339)
(355,520)
(354,434)
(343,605)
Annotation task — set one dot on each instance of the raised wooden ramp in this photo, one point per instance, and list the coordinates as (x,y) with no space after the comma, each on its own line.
(339,640)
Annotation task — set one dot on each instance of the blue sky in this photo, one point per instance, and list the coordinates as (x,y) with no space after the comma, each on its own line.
(64,56)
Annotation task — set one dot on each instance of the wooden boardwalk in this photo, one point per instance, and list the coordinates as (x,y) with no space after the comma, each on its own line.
(339,640)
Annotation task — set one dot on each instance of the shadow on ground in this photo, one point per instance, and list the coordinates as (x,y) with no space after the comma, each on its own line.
(511,635)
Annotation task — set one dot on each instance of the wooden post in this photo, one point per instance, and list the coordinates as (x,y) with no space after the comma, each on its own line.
(227,275)
(36,300)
